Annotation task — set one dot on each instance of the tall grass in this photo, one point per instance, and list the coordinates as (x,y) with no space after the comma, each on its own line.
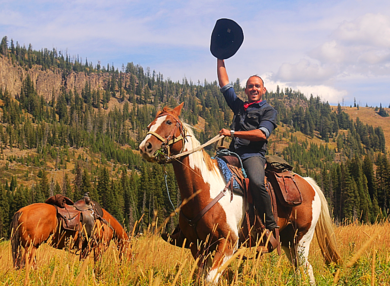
(365,250)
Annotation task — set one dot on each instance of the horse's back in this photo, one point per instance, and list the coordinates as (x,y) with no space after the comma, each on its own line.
(37,222)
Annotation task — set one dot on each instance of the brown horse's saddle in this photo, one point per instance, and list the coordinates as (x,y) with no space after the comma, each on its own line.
(74,216)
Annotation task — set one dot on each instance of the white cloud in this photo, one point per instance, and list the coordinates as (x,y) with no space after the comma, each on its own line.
(326,93)
(356,49)
(369,30)
(375,57)
(329,52)
(304,71)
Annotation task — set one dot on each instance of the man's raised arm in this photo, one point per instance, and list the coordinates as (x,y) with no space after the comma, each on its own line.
(223,78)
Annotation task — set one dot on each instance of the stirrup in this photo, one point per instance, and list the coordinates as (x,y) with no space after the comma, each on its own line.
(272,243)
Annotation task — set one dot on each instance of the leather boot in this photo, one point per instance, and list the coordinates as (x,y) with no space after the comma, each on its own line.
(269,236)
(176,238)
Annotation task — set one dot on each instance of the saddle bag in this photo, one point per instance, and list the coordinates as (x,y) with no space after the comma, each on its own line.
(277,164)
(285,188)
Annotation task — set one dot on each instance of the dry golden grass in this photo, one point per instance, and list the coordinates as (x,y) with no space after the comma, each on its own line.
(155,262)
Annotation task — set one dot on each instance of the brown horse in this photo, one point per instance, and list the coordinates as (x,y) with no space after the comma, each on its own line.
(197,173)
(37,223)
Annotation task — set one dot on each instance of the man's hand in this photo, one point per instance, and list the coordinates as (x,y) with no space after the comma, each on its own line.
(225,132)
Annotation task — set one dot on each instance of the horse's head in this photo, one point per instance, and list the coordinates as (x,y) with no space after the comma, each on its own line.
(165,137)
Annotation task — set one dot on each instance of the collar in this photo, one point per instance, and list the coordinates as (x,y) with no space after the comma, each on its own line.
(247,104)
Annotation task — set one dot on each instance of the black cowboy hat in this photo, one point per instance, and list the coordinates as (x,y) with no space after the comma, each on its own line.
(226,39)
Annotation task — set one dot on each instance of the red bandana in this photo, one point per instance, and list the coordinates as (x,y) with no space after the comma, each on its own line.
(246,105)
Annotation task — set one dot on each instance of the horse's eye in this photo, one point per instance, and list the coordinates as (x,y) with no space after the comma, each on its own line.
(168,122)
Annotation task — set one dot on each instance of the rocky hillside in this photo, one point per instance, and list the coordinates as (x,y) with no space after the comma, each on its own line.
(50,81)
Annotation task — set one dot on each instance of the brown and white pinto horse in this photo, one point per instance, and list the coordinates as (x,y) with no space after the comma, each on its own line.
(37,223)
(221,224)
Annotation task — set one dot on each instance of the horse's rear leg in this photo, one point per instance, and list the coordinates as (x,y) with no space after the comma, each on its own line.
(16,241)
(29,256)
(298,252)
(303,254)
(17,257)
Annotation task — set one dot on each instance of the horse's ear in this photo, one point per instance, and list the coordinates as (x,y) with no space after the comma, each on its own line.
(178,108)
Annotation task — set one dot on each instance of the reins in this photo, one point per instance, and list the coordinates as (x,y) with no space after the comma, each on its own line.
(211,141)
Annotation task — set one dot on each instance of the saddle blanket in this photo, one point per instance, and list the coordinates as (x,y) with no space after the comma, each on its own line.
(227,174)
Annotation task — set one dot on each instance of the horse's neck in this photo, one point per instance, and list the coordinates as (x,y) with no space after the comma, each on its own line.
(193,173)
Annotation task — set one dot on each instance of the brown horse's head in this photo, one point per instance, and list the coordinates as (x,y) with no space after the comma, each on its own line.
(165,136)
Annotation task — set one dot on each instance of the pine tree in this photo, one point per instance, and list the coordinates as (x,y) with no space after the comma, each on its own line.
(86,186)
(4,46)
(368,170)
(117,201)
(103,188)
(4,213)
(131,199)
(44,187)
(66,187)
(77,182)
(348,203)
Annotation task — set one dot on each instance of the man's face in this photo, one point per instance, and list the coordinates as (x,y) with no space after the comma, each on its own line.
(254,89)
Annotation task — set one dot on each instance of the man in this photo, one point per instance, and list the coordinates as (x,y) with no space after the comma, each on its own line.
(252,125)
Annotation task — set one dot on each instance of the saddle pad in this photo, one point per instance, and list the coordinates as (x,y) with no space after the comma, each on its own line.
(59,200)
(227,174)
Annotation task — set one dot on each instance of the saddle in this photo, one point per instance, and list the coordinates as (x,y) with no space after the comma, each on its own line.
(278,173)
(75,216)
(279,183)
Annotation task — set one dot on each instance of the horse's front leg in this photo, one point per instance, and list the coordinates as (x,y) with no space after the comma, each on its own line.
(224,251)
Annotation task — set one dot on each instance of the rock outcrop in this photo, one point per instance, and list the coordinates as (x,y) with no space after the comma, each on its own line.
(47,82)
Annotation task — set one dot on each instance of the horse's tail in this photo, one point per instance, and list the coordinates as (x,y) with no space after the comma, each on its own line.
(15,238)
(324,230)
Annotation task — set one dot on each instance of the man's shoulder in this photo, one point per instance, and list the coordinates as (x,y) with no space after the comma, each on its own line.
(264,105)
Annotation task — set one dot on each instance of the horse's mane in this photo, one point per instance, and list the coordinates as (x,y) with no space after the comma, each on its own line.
(200,158)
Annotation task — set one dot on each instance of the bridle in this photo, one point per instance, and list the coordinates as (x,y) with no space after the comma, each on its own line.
(163,155)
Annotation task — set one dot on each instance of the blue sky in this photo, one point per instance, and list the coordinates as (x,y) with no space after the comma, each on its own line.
(338,50)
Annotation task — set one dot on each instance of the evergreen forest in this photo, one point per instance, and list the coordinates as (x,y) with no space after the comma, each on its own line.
(86,140)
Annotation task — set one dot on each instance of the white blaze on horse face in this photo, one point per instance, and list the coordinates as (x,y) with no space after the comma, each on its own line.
(153,128)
